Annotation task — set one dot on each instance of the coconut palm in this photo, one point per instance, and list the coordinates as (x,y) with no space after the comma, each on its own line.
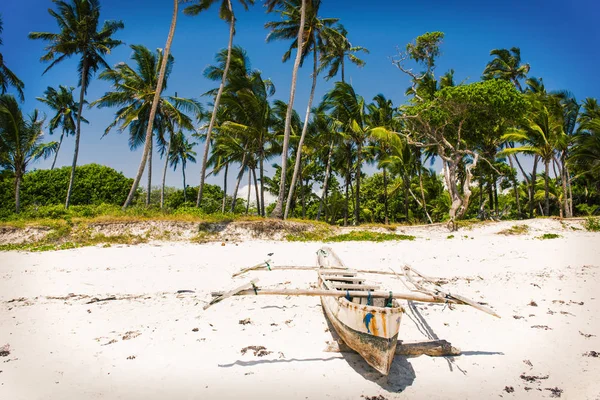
(181,152)
(271,6)
(7,77)
(316,29)
(339,49)
(507,66)
(61,101)
(134,92)
(79,35)
(154,107)
(20,141)
(542,135)
(225,13)
(585,153)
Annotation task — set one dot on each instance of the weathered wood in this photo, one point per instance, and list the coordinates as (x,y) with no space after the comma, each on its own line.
(343,278)
(434,348)
(348,286)
(416,296)
(336,272)
(233,292)
(263,267)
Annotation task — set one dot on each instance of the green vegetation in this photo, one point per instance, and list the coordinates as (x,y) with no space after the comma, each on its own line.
(515,230)
(479,131)
(450,237)
(592,224)
(324,234)
(549,236)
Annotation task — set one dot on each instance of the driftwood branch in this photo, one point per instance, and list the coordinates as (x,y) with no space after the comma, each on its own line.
(435,348)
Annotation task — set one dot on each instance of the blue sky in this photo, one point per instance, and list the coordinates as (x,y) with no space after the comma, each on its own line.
(558,38)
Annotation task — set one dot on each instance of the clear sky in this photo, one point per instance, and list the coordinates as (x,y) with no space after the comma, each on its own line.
(559,38)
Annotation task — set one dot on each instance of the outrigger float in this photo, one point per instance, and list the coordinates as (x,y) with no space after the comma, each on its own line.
(366,318)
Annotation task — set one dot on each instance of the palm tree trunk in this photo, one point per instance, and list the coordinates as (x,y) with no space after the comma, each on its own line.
(258,209)
(515,188)
(423,190)
(496,196)
(225,188)
(357,208)
(249,191)
(278,210)
(385,197)
(155,101)
(532,186)
(17,192)
(149,192)
(406,193)
(262,181)
(164,177)
(570,201)
(184,187)
(62,135)
(303,135)
(84,78)
(343,70)
(546,193)
(346,206)
(237,184)
(216,105)
(325,181)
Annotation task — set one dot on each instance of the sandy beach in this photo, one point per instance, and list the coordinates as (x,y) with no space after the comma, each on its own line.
(62,340)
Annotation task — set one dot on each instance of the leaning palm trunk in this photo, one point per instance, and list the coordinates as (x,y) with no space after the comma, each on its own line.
(216,106)
(62,135)
(237,184)
(570,191)
(84,78)
(225,188)
(325,181)
(164,177)
(149,192)
(278,210)
(546,191)
(159,85)
(303,135)
(256,191)
(423,194)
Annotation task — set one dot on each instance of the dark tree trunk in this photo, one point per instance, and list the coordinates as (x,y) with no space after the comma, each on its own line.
(256,192)
(249,191)
(164,177)
(357,208)
(184,187)
(515,188)
(532,187)
(62,135)
(225,188)
(546,192)
(262,182)
(150,172)
(17,192)
(237,184)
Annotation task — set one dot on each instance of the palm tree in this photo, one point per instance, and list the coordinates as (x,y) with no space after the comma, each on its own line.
(271,5)
(225,13)
(316,29)
(20,141)
(155,102)
(62,102)
(79,35)
(585,153)
(134,92)
(181,152)
(7,77)
(338,49)
(507,66)
(349,109)
(542,135)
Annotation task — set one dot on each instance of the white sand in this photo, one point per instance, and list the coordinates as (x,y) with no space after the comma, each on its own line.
(67,349)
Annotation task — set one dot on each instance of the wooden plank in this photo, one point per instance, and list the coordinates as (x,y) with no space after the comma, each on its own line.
(233,292)
(347,286)
(263,267)
(434,348)
(343,278)
(338,272)
(415,296)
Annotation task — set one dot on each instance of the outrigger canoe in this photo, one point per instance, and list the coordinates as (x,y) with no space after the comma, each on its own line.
(367,325)
(366,318)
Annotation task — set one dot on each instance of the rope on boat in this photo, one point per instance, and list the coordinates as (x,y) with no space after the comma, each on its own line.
(255,288)
(348,295)
(390,300)
(369,299)
(268,265)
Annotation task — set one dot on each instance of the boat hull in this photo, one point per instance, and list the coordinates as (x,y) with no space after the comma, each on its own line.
(371,331)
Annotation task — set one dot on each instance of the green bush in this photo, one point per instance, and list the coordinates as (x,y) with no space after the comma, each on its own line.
(592,224)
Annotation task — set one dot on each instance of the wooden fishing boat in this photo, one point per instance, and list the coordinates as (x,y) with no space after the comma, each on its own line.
(367,325)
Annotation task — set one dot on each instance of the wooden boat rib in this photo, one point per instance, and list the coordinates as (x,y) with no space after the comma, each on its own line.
(368,326)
